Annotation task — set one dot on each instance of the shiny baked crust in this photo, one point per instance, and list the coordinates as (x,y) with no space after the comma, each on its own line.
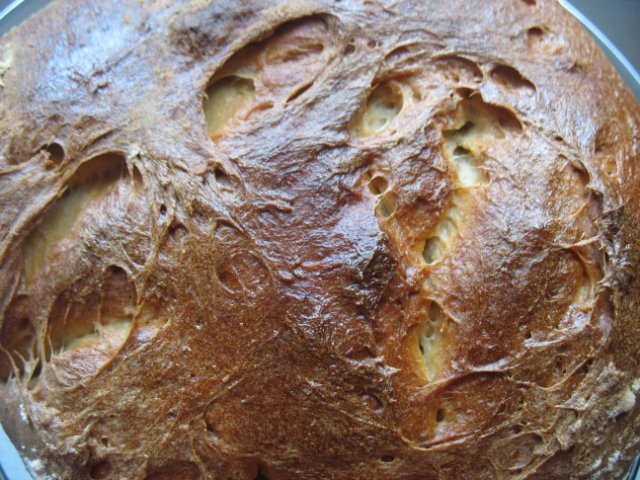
(317,240)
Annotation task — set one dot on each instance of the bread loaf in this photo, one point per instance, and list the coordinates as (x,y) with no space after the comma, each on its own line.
(317,240)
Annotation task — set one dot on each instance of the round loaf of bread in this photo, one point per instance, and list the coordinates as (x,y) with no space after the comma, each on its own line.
(313,240)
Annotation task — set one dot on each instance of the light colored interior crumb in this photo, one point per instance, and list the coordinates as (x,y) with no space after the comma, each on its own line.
(476,127)
(469,172)
(387,204)
(431,344)
(56,225)
(225,98)
(386,201)
(382,106)
(92,180)
(113,330)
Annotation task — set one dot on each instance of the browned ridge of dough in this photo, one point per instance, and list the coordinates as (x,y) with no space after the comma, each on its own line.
(317,240)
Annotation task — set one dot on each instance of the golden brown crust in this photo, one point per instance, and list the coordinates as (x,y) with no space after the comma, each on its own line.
(402,242)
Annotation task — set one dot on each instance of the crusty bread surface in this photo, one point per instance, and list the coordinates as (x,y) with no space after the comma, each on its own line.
(294,240)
